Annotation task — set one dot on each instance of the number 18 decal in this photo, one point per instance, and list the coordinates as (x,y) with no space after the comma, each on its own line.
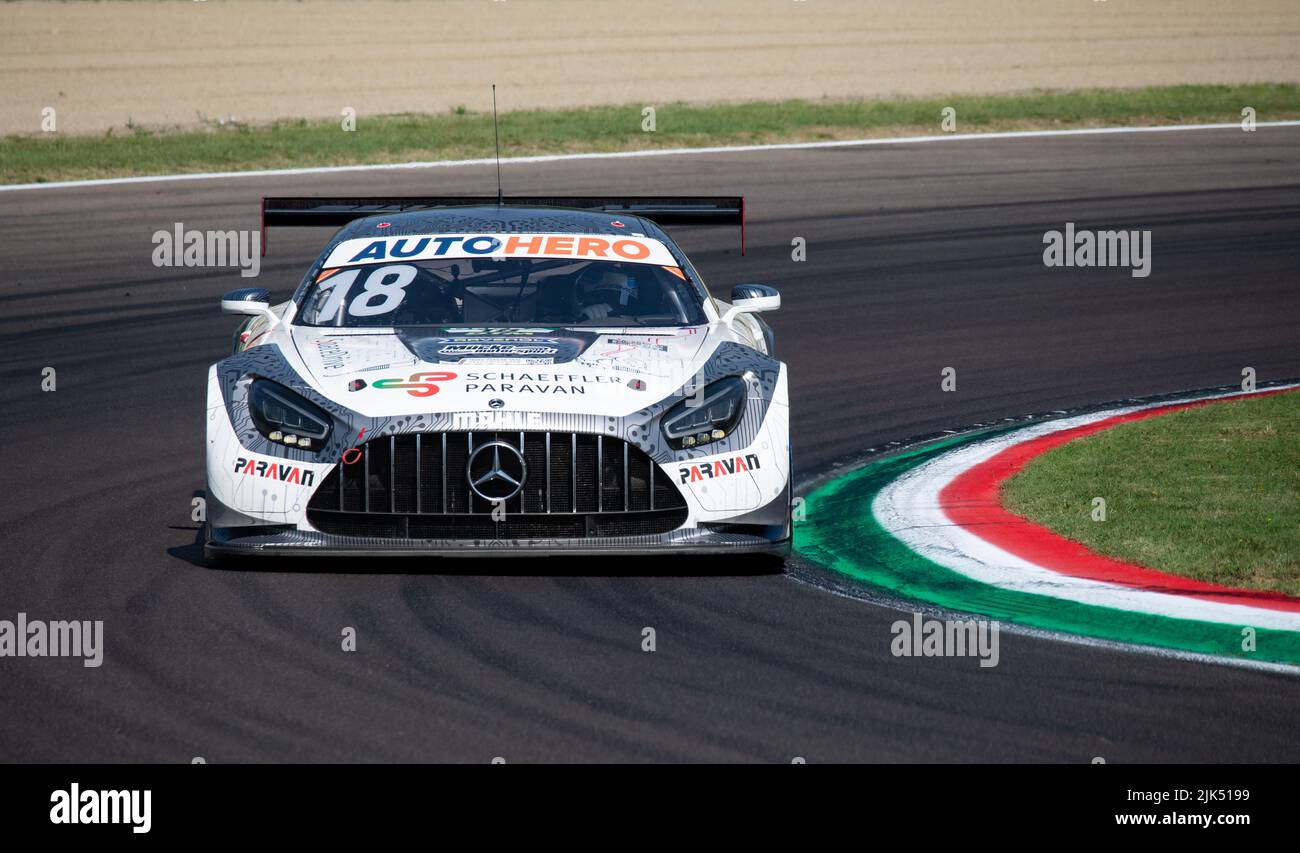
(382,293)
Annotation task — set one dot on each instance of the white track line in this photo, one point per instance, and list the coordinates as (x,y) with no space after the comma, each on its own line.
(660,152)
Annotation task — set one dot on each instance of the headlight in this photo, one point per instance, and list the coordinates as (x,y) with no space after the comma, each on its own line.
(707,417)
(286,417)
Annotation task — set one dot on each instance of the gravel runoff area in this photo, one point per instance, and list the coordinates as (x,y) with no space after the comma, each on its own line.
(157,63)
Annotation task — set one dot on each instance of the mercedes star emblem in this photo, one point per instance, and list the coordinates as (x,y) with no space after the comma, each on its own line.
(496,471)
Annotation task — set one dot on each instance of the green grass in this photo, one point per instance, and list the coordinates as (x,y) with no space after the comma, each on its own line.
(464,134)
(1211,493)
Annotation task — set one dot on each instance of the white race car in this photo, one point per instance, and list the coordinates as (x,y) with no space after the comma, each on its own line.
(477,377)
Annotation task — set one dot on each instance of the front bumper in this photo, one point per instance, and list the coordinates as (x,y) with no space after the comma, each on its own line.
(247,541)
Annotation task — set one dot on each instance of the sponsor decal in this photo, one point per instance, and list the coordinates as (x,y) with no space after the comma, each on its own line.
(497,349)
(718,468)
(534,346)
(274,471)
(647,343)
(419,385)
(499,382)
(621,248)
(497,419)
(636,366)
(332,354)
(483,330)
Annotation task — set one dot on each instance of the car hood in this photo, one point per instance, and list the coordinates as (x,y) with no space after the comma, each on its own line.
(385,372)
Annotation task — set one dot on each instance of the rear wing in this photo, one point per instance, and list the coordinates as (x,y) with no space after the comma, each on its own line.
(662,210)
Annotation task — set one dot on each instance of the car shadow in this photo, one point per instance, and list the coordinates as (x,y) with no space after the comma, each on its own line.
(670,565)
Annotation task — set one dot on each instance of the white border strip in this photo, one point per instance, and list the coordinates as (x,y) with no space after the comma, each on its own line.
(614,155)
(909,509)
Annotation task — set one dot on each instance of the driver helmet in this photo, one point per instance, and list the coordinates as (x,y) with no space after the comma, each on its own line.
(601,283)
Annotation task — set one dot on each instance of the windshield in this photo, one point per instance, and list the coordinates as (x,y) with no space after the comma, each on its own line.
(482,291)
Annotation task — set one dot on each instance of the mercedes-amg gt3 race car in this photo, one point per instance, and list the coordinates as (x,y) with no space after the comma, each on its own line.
(487,377)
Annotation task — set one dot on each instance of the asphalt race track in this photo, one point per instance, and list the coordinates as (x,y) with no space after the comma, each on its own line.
(919,256)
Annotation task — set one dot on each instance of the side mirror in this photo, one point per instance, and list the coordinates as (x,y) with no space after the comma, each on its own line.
(752,299)
(255,301)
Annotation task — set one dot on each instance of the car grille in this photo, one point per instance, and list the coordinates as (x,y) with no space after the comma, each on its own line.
(415,486)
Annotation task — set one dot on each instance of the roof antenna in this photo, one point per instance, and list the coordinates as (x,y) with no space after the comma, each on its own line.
(497,133)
